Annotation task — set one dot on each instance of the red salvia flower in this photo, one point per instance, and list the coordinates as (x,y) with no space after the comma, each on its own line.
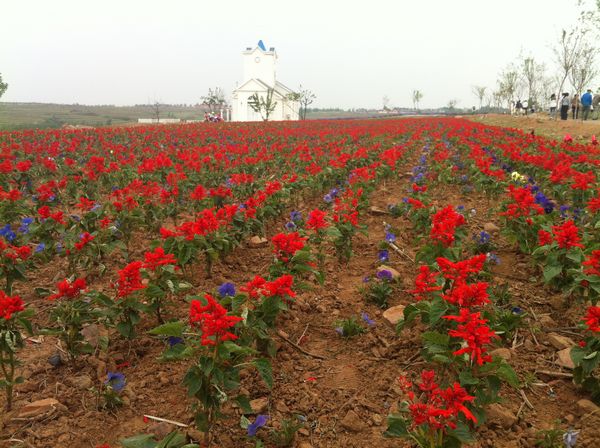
(213,321)
(280,287)
(9,305)
(467,295)
(130,279)
(316,220)
(444,224)
(158,257)
(461,270)
(476,334)
(425,283)
(592,319)
(286,245)
(592,263)
(544,237)
(84,239)
(69,290)
(566,235)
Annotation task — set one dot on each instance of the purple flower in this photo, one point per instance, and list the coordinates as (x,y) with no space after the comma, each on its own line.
(370,322)
(290,226)
(517,310)
(492,258)
(384,256)
(340,331)
(296,216)
(570,438)
(261,420)
(484,238)
(384,274)
(327,198)
(116,381)
(174,340)
(7,233)
(366,279)
(226,289)
(39,248)
(390,237)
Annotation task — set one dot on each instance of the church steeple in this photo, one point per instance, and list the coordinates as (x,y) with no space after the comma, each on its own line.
(260,63)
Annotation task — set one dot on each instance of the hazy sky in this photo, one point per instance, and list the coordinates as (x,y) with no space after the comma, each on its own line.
(350,53)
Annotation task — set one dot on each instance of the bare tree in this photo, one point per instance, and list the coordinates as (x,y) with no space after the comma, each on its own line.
(566,53)
(584,70)
(417,96)
(452,104)
(306,98)
(214,100)
(156,107)
(508,84)
(479,92)
(264,106)
(533,74)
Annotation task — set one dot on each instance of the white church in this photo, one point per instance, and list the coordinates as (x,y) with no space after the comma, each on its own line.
(259,77)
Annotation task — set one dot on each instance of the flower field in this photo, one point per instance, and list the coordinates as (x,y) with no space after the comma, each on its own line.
(414,282)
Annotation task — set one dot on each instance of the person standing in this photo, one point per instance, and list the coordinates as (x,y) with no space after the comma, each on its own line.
(586,104)
(596,105)
(575,105)
(564,106)
(553,105)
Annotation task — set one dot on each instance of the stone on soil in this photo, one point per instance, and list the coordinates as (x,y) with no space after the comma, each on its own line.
(259,405)
(501,416)
(503,353)
(587,406)
(564,359)
(394,314)
(374,210)
(38,408)
(560,342)
(490,227)
(352,422)
(257,241)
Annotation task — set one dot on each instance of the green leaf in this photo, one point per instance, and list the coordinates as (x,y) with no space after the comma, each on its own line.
(154,292)
(551,271)
(264,370)
(174,328)
(396,426)
(466,378)
(437,310)
(244,422)
(139,441)
(577,354)
(244,404)
(42,292)
(462,433)
(173,440)
(506,373)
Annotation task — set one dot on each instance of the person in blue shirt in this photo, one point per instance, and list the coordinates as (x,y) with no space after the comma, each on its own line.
(586,103)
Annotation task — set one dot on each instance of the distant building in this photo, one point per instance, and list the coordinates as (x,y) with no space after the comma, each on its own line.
(259,77)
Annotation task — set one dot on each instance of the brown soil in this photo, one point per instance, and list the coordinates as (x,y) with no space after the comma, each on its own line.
(358,375)
(542,124)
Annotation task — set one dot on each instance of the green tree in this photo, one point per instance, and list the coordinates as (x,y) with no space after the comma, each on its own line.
(264,106)
(3,86)
(214,100)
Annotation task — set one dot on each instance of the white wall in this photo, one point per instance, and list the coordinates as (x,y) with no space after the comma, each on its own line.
(161,120)
(264,69)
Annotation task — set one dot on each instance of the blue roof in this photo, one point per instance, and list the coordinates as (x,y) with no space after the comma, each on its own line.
(261,45)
